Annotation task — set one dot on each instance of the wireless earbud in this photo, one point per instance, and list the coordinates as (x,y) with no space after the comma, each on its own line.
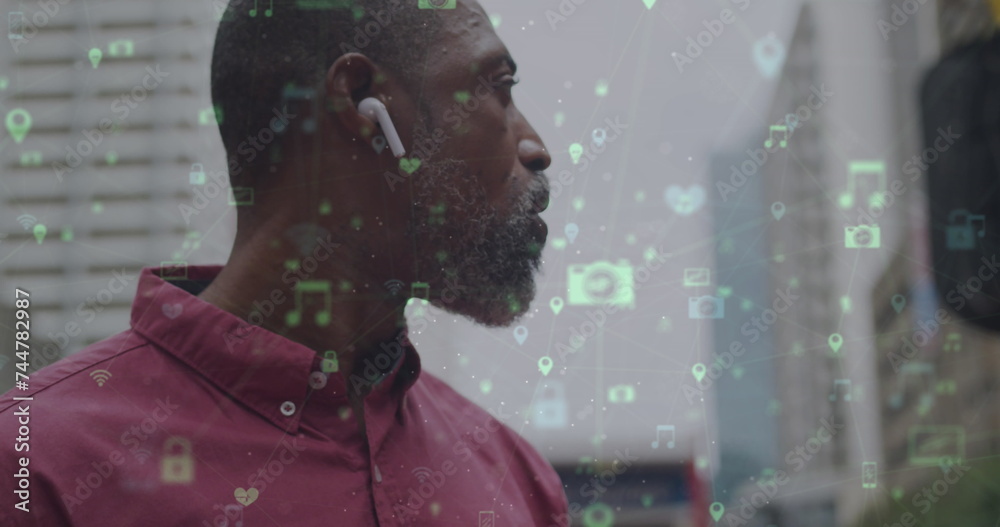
(374,109)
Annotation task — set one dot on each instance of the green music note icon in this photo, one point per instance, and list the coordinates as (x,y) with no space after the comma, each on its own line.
(294,317)
(267,12)
(855,169)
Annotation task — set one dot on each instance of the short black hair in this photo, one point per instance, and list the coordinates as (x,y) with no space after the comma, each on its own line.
(261,56)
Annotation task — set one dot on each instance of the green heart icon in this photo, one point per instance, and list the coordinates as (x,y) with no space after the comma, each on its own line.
(559,243)
(462,96)
(409,165)
(724,292)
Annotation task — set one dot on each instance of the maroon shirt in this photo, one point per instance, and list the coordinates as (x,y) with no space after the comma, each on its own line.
(205,420)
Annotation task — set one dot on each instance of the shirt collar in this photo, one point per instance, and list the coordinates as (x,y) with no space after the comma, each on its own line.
(269,373)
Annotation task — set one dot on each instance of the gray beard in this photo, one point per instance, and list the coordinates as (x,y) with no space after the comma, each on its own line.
(490,258)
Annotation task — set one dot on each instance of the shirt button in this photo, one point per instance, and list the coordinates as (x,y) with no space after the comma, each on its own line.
(288,408)
(378,475)
(317,380)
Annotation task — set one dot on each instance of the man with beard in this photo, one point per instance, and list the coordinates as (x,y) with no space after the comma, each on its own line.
(281,389)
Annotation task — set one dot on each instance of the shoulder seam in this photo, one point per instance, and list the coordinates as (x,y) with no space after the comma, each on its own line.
(81,368)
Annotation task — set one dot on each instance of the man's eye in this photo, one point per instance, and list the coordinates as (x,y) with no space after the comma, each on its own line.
(509,81)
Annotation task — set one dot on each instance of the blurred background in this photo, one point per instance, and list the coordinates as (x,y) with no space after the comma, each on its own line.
(767,279)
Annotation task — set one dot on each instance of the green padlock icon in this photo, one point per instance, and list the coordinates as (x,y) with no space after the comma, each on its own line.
(177,465)
(329,363)
(197,176)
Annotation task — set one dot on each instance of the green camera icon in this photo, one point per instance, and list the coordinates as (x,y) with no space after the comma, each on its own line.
(601,283)
(863,237)
(436,4)
(622,393)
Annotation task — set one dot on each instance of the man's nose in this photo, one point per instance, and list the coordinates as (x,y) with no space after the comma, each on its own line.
(533,154)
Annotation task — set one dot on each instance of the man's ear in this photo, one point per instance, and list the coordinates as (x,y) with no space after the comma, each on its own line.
(349,80)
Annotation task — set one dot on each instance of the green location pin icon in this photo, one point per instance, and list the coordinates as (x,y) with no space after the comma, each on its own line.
(556,304)
(898,303)
(778,210)
(39,232)
(520,334)
(717,509)
(545,365)
(18,124)
(575,151)
(836,340)
(95,56)
(572,230)
(699,371)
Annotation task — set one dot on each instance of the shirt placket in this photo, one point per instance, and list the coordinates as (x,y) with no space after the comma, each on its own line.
(379,486)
